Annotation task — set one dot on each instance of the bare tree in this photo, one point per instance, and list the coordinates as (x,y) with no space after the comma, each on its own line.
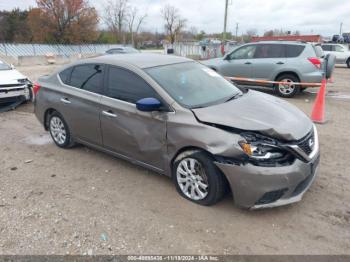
(134,23)
(173,21)
(252,32)
(115,15)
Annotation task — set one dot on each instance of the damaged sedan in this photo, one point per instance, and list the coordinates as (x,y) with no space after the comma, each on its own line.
(179,118)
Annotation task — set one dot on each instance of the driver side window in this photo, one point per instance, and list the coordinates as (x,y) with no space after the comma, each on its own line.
(127,86)
(246,52)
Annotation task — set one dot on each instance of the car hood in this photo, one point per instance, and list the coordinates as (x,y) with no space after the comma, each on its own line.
(213,62)
(10,76)
(255,111)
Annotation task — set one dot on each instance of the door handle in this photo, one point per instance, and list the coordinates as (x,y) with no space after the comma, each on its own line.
(280,63)
(65,101)
(247,63)
(109,114)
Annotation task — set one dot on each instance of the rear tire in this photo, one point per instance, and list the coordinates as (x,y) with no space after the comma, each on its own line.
(198,179)
(348,63)
(59,131)
(287,90)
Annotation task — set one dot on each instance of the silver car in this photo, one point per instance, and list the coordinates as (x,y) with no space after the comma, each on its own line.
(275,61)
(341,52)
(182,119)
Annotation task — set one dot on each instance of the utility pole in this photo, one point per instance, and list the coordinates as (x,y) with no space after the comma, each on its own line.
(341,28)
(225,22)
(237,30)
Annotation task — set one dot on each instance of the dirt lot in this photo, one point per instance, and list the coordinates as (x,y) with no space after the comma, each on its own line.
(80,201)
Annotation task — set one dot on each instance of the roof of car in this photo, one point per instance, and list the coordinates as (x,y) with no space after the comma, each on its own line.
(279,42)
(140,60)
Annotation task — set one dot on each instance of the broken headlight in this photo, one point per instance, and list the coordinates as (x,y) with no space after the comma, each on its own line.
(261,148)
(24,81)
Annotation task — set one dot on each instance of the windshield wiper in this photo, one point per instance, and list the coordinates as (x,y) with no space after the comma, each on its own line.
(234,97)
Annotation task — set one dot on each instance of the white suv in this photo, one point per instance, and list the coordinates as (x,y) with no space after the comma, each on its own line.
(341,52)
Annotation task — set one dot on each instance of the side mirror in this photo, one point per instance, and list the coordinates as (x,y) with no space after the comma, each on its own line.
(227,57)
(148,104)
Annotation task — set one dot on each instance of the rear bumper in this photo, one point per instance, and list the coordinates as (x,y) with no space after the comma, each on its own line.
(314,77)
(258,187)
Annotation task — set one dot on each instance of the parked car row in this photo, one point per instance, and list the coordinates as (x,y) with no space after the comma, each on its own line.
(344,38)
(341,52)
(182,119)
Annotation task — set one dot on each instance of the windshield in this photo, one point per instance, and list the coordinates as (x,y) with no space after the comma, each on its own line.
(4,66)
(193,85)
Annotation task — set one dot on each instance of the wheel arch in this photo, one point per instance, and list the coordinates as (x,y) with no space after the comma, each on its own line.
(287,73)
(189,150)
(47,114)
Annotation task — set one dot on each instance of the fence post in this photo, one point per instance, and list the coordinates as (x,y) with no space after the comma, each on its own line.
(34,49)
(5,48)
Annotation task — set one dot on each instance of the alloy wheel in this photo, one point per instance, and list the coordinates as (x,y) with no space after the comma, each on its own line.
(286,89)
(192,179)
(58,130)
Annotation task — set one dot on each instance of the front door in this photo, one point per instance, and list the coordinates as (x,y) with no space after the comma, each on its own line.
(140,136)
(340,53)
(239,62)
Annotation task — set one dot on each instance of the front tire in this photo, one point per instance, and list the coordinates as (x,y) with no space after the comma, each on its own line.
(198,179)
(287,90)
(348,63)
(59,131)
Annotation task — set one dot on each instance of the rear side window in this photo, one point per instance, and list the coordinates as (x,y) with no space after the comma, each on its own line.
(319,51)
(115,51)
(87,77)
(127,86)
(327,47)
(65,75)
(269,51)
(294,50)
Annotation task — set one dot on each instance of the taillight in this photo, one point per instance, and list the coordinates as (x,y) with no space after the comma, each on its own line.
(315,61)
(36,88)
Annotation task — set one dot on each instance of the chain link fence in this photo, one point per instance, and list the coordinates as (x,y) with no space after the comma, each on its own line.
(16,50)
(196,51)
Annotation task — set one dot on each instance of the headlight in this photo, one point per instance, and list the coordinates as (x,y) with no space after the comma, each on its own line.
(23,80)
(260,151)
(261,148)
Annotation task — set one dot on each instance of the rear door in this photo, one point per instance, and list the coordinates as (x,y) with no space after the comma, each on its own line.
(239,62)
(127,131)
(80,103)
(268,59)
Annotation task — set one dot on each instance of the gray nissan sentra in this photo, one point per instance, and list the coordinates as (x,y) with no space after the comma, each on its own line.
(180,118)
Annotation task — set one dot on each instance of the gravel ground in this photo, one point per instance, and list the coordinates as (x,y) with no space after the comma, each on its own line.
(81,201)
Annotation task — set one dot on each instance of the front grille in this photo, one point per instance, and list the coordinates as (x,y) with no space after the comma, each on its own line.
(11,85)
(304,143)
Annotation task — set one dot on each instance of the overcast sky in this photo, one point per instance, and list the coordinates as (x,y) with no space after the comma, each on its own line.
(308,16)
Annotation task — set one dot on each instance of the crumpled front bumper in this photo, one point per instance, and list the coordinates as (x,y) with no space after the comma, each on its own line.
(7,93)
(253,185)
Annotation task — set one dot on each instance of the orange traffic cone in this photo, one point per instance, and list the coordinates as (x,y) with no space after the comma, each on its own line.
(318,111)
